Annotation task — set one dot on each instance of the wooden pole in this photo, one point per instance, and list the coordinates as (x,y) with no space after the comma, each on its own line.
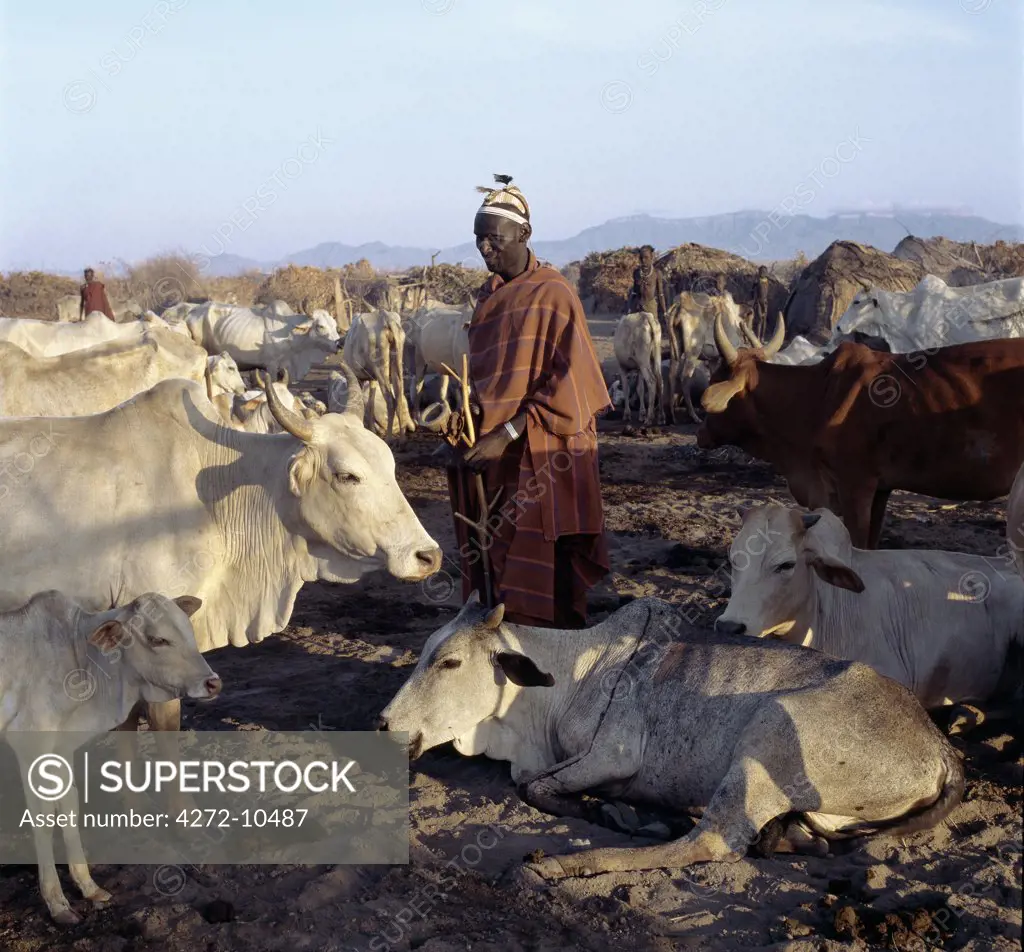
(484,506)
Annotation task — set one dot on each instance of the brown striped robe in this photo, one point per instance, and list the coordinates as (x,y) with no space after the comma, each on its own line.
(530,350)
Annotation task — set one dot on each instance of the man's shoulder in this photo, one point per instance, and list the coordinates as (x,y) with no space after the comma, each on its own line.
(551,281)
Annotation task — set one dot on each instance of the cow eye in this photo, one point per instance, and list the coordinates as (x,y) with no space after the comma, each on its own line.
(155,642)
(347,478)
(785,566)
(449,663)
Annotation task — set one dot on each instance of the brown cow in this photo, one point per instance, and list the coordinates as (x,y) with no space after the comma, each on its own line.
(847,431)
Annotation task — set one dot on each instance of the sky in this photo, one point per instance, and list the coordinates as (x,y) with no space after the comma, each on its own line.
(259,128)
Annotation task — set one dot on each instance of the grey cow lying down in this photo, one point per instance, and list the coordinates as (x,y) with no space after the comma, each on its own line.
(645,708)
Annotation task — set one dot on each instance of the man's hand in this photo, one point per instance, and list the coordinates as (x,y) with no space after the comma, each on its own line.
(488,448)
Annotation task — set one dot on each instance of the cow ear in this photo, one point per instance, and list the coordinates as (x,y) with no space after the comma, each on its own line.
(189,604)
(304,328)
(716,398)
(301,471)
(522,671)
(494,617)
(108,636)
(836,573)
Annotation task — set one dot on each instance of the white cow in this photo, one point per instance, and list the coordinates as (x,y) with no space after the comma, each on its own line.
(935,315)
(373,348)
(69,306)
(143,651)
(53,338)
(95,379)
(158,494)
(291,344)
(436,336)
(645,708)
(637,344)
(691,324)
(940,623)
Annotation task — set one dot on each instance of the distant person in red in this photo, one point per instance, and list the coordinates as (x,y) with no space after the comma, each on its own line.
(94,297)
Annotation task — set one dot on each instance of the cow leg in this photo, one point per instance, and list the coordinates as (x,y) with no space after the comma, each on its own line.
(624,377)
(42,838)
(856,503)
(77,864)
(689,368)
(164,717)
(745,801)
(878,505)
(659,390)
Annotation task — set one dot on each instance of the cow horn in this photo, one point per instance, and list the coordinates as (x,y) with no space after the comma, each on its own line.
(724,345)
(290,422)
(435,417)
(810,519)
(778,338)
(751,337)
(354,402)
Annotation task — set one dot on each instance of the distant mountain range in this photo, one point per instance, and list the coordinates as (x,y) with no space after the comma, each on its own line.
(757,236)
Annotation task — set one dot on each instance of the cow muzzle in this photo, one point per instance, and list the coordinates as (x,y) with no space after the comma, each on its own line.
(725,627)
(209,689)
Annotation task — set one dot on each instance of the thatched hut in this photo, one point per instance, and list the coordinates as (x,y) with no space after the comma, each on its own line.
(829,283)
(963,263)
(605,277)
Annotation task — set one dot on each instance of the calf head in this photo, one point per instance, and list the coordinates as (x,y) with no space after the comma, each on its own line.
(731,416)
(223,376)
(348,506)
(157,644)
(319,325)
(777,558)
(467,674)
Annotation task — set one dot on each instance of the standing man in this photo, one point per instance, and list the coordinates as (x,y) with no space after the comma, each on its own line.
(648,292)
(94,297)
(538,385)
(760,303)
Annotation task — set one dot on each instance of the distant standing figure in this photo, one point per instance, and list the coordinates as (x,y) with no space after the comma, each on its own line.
(720,285)
(94,297)
(760,303)
(648,292)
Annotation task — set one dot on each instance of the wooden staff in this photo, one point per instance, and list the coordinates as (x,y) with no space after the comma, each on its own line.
(468,436)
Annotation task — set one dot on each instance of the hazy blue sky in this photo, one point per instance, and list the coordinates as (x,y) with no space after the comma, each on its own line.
(132,126)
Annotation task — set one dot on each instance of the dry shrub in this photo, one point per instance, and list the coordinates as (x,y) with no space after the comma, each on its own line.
(304,288)
(239,289)
(829,284)
(571,273)
(156,283)
(454,284)
(34,294)
(606,278)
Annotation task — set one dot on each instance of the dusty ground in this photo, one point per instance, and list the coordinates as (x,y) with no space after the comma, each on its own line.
(671,513)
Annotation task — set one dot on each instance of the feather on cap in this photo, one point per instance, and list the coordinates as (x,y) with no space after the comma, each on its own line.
(507,195)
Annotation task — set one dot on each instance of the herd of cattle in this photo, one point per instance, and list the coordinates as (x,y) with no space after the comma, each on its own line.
(152,504)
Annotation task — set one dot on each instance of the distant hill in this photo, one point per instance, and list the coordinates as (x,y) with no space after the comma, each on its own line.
(751,234)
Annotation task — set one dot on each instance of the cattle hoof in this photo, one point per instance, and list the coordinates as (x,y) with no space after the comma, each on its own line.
(549,868)
(99,898)
(526,878)
(65,916)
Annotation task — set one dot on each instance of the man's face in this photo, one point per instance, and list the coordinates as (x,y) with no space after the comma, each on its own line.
(88,275)
(645,258)
(498,240)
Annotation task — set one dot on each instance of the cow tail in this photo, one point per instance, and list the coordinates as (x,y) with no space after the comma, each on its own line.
(949,797)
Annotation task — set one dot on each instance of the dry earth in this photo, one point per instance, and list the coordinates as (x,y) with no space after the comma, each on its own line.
(671,512)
